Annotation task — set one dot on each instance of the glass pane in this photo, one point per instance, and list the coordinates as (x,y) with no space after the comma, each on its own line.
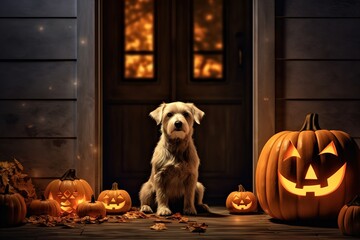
(208,25)
(207,66)
(139,25)
(139,66)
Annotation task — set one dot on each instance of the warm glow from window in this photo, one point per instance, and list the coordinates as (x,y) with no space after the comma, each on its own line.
(208,39)
(139,38)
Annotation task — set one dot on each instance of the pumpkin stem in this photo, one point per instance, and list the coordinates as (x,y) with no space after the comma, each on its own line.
(92,199)
(42,197)
(241,188)
(69,175)
(355,201)
(115,186)
(311,122)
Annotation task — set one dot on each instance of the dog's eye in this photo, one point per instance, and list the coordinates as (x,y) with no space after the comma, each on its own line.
(170,114)
(185,114)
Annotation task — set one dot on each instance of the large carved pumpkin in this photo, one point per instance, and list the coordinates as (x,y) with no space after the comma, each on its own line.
(307,174)
(12,208)
(69,191)
(115,200)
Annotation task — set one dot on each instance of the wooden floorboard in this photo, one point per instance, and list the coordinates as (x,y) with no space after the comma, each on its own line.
(221,225)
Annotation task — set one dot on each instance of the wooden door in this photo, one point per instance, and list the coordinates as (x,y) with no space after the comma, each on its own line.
(196,51)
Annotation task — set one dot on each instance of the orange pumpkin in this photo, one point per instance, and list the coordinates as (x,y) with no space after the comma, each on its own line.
(44,207)
(115,200)
(12,208)
(241,201)
(93,209)
(349,218)
(69,191)
(307,174)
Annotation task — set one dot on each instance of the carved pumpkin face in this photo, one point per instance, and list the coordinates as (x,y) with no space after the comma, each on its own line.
(241,201)
(320,175)
(307,174)
(68,191)
(115,200)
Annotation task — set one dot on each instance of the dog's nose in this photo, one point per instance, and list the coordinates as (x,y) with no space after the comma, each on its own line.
(178,124)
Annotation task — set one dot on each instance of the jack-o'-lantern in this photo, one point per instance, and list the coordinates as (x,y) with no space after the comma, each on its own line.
(241,201)
(349,218)
(115,200)
(307,174)
(69,191)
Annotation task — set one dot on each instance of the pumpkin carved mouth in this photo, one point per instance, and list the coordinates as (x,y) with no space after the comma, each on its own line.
(241,206)
(114,206)
(334,181)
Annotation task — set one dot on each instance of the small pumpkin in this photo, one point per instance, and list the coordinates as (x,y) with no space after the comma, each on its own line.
(44,207)
(309,174)
(241,201)
(349,218)
(93,209)
(12,208)
(69,191)
(115,200)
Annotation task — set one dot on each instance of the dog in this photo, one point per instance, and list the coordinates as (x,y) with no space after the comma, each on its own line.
(175,162)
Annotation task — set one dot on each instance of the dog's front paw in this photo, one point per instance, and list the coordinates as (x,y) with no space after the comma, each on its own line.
(163,211)
(190,211)
(146,209)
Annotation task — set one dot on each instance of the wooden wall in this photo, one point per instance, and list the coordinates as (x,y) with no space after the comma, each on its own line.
(317,63)
(47,97)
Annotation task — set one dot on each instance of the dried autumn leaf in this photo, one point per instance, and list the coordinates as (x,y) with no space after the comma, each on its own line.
(195,227)
(18,165)
(175,216)
(184,220)
(158,227)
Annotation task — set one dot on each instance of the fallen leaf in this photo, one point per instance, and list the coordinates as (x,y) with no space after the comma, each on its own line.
(158,227)
(195,227)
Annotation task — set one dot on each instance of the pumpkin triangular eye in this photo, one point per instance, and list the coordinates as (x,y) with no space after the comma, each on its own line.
(106,196)
(247,197)
(330,149)
(291,152)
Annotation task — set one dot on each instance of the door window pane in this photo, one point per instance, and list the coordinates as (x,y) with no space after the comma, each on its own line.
(208,39)
(139,38)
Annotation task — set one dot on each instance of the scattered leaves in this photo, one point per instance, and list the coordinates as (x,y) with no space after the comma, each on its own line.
(134,215)
(68,221)
(12,173)
(158,227)
(195,227)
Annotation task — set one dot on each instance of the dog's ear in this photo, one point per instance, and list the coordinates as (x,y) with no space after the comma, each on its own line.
(157,113)
(198,114)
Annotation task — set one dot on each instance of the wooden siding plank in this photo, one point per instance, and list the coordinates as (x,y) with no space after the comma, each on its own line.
(339,115)
(318,8)
(37,119)
(40,157)
(318,79)
(318,38)
(38,80)
(38,38)
(38,8)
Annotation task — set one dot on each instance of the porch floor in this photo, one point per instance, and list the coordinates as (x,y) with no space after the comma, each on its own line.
(221,225)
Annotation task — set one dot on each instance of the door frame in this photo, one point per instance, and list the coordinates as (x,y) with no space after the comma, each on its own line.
(263,84)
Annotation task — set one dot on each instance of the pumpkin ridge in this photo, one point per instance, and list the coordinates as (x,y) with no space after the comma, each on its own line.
(262,165)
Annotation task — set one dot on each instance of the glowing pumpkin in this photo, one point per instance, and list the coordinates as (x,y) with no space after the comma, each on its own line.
(115,200)
(307,174)
(349,218)
(69,191)
(241,201)
(12,208)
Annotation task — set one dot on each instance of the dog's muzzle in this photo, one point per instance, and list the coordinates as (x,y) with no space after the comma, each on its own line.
(178,125)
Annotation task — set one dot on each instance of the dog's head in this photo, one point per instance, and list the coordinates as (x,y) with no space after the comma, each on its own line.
(177,118)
